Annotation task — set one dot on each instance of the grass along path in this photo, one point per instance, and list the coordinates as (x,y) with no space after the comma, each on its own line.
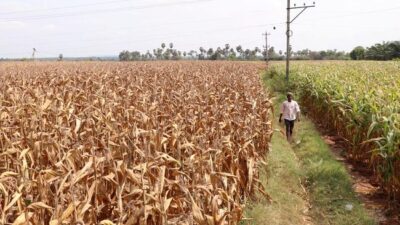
(281,177)
(309,161)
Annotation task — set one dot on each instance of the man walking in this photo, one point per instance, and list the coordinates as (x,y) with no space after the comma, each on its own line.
(290,111)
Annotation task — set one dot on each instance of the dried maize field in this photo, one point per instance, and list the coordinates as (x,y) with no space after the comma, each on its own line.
(135,143)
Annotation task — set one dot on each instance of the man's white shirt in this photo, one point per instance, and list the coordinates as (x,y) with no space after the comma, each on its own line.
(289,110)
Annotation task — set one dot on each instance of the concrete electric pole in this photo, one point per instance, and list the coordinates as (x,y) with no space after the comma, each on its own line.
(289,33)
(33,54)
(266,34)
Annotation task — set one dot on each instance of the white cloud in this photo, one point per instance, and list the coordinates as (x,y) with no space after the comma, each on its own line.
(49,27)
(10,7)
(12,25)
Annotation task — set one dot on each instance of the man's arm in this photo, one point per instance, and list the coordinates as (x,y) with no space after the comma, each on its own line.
(280,116)
(298,112)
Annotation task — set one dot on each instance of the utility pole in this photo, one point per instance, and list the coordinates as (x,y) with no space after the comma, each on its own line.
(289,33)
(288,53)
(33,54)
(266,34)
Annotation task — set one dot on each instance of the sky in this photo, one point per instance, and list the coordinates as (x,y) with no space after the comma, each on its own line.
(106,27)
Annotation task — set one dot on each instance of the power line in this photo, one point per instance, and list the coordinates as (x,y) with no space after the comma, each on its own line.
(194,33)
(64,7)
(190,2)
(357,14)
(40,17)
(130,28)
(119,9)
(49,41)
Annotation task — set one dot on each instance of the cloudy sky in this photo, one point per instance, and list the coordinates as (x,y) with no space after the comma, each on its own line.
(105,27)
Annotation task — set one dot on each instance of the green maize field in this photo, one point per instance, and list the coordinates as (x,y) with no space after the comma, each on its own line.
(361,102)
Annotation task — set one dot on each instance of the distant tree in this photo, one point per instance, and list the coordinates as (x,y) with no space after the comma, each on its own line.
(148,56)
(239,50)
(358,53)
(384,51)
(158,53)
(170,53)
(225,51)
(167,54)
(271,51)
(380,52)
(60,57)
(323,54)
(247,54)
(192,54)
(218,54)
(202,53)
(314,55)
(135,56)
(210,53)
(272,54)
(256,52)
(395,46)
(124,56)
(232,54)
(176,55)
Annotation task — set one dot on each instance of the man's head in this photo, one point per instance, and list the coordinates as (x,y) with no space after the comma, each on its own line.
(289,96)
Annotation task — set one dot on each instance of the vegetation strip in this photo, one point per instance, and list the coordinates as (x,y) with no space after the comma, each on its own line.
(360,101)
(281,177)
(329,186)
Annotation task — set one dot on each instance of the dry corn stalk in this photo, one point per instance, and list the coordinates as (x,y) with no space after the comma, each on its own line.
(134,143)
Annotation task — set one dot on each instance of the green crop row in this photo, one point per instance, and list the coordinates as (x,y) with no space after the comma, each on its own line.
(361,102)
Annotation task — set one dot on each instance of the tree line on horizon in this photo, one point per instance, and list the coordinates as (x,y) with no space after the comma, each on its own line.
(228,53)
(170,53)
(380,51)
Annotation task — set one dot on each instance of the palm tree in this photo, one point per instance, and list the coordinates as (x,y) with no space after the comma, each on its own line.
(210,52)
(239,49)
(247,54)
(232,54)
(202,51)
(226,50)
(33,53)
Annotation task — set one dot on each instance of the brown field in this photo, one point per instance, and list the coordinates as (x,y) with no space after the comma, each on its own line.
(130,143)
